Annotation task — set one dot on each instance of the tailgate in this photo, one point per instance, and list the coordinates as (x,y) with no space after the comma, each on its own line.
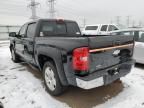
(107,51)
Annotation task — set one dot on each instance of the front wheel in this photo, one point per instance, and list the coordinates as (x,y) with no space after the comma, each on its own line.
(51,79)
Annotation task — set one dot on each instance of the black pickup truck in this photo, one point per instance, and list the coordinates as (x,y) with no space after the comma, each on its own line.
(65,57)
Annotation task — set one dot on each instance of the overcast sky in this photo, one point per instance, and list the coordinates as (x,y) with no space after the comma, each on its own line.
(94,11)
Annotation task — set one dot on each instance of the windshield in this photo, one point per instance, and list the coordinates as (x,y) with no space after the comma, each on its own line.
(51,28)
(91,28)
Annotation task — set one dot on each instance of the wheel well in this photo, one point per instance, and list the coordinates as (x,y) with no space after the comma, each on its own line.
(42,59)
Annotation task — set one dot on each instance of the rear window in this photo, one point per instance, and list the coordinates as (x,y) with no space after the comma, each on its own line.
(91,28)
(72,28)
(47,28)
(51,28)
(60,28)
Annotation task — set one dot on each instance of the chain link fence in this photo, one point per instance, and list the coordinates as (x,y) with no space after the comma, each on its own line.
(6,29)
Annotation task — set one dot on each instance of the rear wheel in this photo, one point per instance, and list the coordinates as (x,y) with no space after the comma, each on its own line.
(51,79)
(15,57)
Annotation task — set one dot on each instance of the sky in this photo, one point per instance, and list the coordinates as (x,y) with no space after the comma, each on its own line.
(93,11)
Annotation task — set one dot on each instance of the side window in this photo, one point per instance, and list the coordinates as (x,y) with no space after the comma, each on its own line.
(22,30)
(31,30)
(91,28)
(141,37)
(128,33)
(112,28)
(104,28)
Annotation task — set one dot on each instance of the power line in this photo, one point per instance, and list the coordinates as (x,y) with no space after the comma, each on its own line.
(52,10)
(33,5)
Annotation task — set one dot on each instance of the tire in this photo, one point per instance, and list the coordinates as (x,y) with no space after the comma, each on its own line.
(15,57)
(51,79)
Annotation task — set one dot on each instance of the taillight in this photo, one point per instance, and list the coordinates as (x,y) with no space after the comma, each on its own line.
(81,59)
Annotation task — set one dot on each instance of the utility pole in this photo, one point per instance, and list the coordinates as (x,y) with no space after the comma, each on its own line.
(128,21)
(118,20)
(52,8)
(33,5)
(140,24)
(133,23)
(111,21)
(84,22)
(8,29)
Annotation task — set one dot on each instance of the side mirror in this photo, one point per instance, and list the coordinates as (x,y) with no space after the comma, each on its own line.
(12,34)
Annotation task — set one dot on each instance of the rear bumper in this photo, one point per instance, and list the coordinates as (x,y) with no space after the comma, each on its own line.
(103,77)
(90,84)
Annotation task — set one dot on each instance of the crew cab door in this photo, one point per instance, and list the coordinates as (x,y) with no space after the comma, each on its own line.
(19,42)
(28,42)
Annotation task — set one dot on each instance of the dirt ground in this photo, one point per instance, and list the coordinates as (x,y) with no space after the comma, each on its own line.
(79,98)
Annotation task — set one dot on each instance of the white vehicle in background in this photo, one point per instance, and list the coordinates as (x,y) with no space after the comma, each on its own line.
(99,29)
(138,34)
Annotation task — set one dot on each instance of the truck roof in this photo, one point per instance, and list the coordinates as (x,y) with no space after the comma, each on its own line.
(99,24)
(51,20)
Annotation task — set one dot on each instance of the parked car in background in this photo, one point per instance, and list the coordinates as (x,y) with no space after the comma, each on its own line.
(138,34)
(99,29)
